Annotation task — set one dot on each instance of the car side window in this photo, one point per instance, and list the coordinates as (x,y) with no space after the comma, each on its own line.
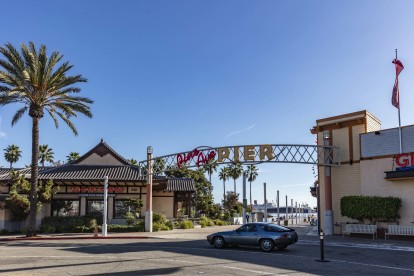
(252,228)
(244,228)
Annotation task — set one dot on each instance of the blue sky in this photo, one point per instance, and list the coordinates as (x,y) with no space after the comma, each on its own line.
(180,74)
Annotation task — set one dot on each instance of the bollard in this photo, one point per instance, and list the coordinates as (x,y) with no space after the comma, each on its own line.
(322,259)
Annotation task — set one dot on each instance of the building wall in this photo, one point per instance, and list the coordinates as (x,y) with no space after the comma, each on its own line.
(107,159)
(163,202)
(374,183)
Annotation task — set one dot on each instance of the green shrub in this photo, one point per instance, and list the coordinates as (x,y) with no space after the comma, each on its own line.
(186,224)
(219,222)
(156,226)
(370,207)
(158,217)
(130,218)
(203,223)
(4,232)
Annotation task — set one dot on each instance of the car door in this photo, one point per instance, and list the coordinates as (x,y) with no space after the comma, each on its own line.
(245,235)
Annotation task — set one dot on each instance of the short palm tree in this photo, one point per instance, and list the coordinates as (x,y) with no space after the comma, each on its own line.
(12,154)
(252,173)
(236,170)
(45,154)
(35,80)
(73,156)
(224,175)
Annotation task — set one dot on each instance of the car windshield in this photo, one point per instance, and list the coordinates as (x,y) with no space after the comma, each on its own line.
(273,228)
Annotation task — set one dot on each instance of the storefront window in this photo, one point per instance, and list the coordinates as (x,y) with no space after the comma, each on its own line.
(65,208)
(121,209)
(95,207)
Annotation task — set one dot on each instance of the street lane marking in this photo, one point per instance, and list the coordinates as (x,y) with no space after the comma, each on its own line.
(365,246)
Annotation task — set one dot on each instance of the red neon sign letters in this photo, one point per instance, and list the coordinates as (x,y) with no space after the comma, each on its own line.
(201,157)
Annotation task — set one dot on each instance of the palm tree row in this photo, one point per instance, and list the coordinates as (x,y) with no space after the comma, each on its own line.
(41,85)
(234,171)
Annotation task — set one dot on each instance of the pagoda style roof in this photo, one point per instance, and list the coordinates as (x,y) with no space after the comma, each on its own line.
(101,154)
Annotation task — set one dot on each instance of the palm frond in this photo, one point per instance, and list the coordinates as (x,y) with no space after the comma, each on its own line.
(68,122)
(19,115)
(53,117)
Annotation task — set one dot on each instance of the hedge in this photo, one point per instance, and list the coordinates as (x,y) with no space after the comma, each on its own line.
(374,208)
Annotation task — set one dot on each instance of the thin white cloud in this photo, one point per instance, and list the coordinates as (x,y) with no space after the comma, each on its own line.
(239,131)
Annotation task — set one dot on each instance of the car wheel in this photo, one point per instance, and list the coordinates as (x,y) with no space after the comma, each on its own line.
(282,247)
(267,245)
(218,242)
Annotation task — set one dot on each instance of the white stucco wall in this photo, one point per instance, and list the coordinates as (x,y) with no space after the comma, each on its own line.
(373,182)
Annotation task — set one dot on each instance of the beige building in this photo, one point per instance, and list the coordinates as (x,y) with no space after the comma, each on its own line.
(81,188)
(371,164)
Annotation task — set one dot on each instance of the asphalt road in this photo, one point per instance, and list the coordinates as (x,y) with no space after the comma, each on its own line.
(172,256)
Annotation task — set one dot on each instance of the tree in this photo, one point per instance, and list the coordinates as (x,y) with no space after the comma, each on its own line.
(133,161)
(35,80)
(73,156)
(18,203)
(235,171)
(158,166)
(224,175)
(252,173)
(203,196)
(210,167)
(45,154)
(232,204)
(12,154)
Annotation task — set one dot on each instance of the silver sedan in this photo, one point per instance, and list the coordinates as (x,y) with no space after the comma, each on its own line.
(266,235)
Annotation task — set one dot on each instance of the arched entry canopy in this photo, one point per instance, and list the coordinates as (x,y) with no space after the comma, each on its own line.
(245,154)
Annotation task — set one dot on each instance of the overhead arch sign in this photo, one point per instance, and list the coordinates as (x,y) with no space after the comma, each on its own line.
(249,154)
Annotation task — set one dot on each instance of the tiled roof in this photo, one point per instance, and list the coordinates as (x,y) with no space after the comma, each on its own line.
(5,173)
(93,172)
(180,184)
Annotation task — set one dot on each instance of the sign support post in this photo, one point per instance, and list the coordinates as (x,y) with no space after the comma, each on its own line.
(244,198)
(105,213)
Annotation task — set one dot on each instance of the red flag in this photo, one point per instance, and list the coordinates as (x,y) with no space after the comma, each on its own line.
(395,100)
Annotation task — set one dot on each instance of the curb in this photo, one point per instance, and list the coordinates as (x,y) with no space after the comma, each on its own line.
(71,238)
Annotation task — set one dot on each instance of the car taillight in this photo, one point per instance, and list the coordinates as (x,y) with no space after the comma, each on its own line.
(285,236)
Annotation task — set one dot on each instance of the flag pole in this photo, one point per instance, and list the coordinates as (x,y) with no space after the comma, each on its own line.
(399,117)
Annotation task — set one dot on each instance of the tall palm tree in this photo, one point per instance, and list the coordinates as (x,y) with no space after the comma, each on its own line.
(252,173)
(73,156)
(35,80)
(45,154)
(210,167)
(236,170)
(224,175)
(12,154)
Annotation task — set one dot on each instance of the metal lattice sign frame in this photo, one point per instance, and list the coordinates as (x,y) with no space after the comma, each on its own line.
(247,154)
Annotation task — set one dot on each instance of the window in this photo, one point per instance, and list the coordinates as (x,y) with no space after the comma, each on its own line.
(95,207)
(247,228)
(65,208)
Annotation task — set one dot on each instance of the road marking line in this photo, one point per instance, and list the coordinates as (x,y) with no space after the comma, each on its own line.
(373,265)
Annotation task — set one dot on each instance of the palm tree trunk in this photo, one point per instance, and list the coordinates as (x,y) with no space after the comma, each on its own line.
(224,194)
(251,208)
(31,231)
(234,185)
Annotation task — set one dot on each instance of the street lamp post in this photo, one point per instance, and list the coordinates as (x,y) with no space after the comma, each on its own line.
(148,212)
